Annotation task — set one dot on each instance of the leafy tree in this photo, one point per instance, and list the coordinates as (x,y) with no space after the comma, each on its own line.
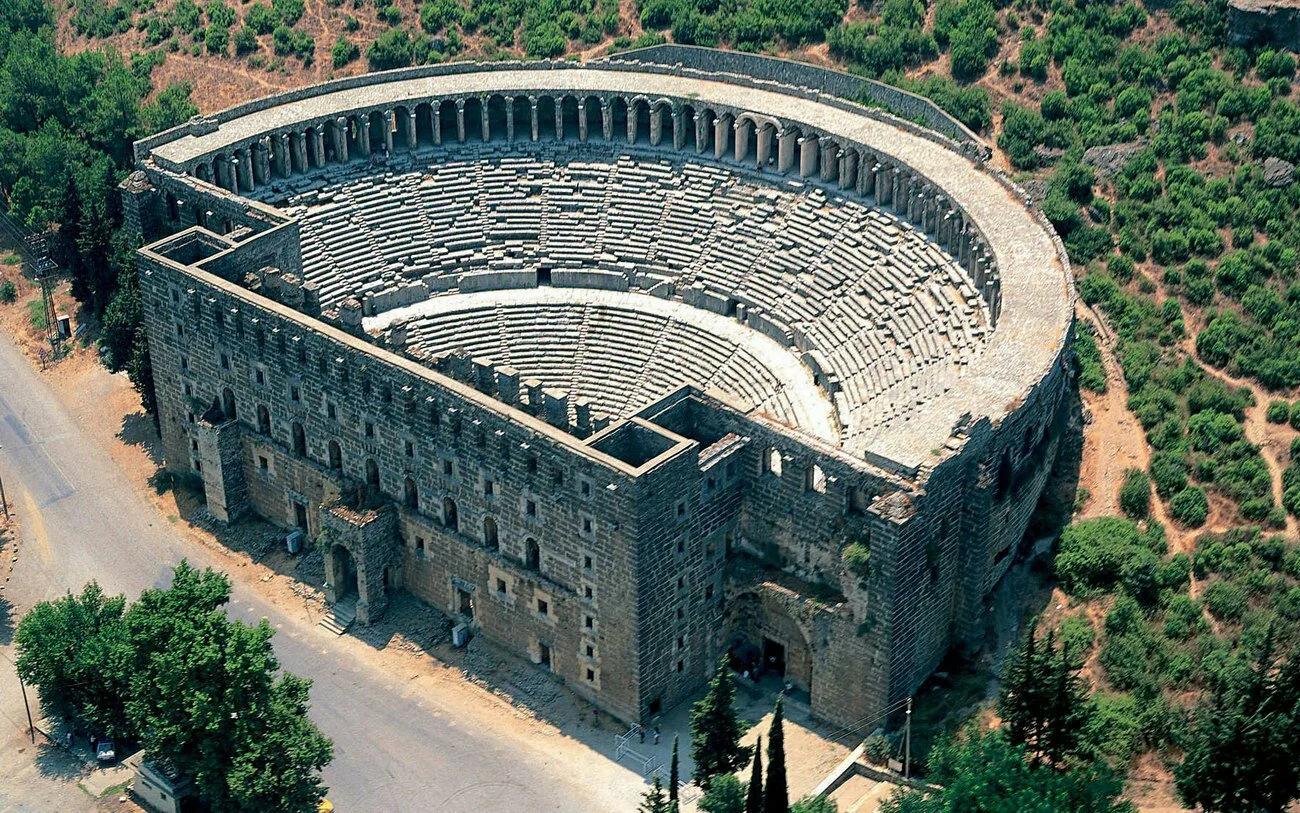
(1242,752)
(814,804)
(74,652)
(1190,507)
(725,794)
(344,52)
(776,796)
(391,49)
(654,801)
(1278,411)
(1093,552)
(983,772)
(715,731)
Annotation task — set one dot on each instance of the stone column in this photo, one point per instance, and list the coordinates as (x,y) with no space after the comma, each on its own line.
(867,176)
(742,129)
(283,155)
(765,144)
(262,160)
(631,122)
(460,120)
(363,135)
(412,132)
(679,128)
(532,107)
(656,125)
(246,169)
(785,143)
(435,115)
(223,169)
(484,123)
(848,168)
(607,119)
(390,121)
(830,164)
(701,131)
(721,135)
(582,120)
(510,119)
(317,145)
(341,139)
(559,119)
(808,149)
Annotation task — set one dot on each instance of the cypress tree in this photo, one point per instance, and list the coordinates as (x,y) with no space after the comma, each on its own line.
(715,733)
(1022,694)
(776,796)
(754,800)
(673,778)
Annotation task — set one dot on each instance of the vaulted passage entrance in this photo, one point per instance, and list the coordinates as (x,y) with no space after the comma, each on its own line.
(345,573)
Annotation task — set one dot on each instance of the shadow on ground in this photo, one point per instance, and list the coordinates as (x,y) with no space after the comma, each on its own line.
(138,429)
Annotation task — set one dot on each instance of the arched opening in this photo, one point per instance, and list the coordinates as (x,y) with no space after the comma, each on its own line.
(372,474)
(345,573)
(523,118)
(768,642)
(490,539)
(768,131)
(309,157)
(447,121)
(532,554)
(814,479)
(594,121)
(299,440)
(380,126)
(410,494)
(497,117)
(618,114)
(546,118)
(687,122)
(473,119)
(640,111)
(352,132)
(228,404)
(450,520)
(424,124)
(335,456)
(569,115)
(263,420)
(401,121)
(173,211)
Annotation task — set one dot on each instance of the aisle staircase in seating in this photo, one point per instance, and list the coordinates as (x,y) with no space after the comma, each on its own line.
(340,615)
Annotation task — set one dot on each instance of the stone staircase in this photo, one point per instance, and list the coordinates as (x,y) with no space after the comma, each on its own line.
(340,615)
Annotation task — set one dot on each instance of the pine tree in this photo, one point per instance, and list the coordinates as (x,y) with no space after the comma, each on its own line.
(673,778)
(653,801)
(715,733)
(1021,691)
(754,800)
(1066,709)
(776,796)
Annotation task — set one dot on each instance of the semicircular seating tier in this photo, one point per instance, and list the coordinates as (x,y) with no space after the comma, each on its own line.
(883,317)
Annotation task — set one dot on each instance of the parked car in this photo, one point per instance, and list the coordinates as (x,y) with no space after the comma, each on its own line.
(105,751)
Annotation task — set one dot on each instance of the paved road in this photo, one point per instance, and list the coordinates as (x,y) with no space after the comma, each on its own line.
(397,747)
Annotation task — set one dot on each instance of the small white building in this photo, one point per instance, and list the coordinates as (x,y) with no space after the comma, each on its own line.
(157,790)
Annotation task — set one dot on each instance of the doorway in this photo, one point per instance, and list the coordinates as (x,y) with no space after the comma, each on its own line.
(773,657)
(544,655)
(345,569)
(300,516)
(465,603)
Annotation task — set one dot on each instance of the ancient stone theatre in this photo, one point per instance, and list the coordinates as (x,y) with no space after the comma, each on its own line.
(623,363)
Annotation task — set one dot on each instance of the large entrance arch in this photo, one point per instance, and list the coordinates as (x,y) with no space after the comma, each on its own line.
(763,632)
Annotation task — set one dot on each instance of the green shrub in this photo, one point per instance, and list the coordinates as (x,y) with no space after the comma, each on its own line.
(245,41)
(857,557)
(8,292)
(1135,494)
(1295,415)
(344,52)
(289,11)
(261,18)
(1225,600)
(545,40)
(391,49)
(1093,553)
(1279,411)
(1190,507)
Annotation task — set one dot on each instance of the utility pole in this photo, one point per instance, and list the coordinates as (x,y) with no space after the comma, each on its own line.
(31,727)
(907,742)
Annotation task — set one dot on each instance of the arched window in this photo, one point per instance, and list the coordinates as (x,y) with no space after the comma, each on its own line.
(411,494)
(449,519)
(814,479)
(336,456)
(532,554)
(299,440)
(490,539)
(372,473)
(228,403)
(263,420)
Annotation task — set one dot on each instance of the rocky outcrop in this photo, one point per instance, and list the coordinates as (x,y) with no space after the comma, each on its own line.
(1252,22)
(1278,173)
